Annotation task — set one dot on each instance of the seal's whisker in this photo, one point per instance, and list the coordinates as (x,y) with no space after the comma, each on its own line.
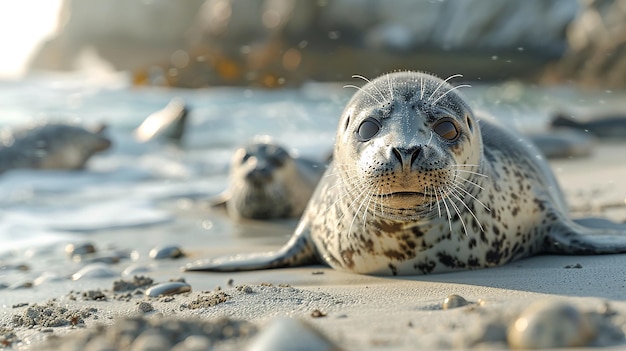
(454,192)
(460,187)
(443,199)
(458,212)
(463,165)
(362,191)
(470,182)
(430,139)
(450,90)
(470,172)
(442,83)
(369,81)
(437,200)
(363,91)
(390,86)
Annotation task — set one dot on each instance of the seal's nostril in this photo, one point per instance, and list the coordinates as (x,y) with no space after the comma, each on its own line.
(397,153)
(416,152)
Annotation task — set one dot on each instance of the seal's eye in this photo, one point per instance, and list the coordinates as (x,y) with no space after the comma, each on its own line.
(368,129)
(446,129)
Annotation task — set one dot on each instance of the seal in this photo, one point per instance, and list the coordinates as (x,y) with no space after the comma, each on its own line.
(168,123)
(268,182)
(50,146)
(604,127)
(421,184)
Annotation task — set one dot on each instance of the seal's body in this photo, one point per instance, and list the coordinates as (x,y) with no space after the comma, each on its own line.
(50,146)
(267,182)
(420,184)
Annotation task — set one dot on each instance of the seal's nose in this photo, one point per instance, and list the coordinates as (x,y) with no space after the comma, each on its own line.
(407,156)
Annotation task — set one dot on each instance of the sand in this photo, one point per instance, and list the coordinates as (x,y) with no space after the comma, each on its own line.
(229,311)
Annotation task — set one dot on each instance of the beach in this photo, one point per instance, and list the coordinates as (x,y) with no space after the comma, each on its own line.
(354,312)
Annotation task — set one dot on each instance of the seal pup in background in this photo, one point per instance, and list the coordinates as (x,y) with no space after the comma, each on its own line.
(50,146)
(268,182)
(420,184)
(168,123)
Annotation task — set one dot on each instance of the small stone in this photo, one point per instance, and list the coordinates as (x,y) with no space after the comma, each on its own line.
(317,314)
(550,324)
(166,252)
(145,307)
(170,288)
(454,301)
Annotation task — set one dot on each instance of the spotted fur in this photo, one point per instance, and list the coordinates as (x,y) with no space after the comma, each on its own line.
(421,184)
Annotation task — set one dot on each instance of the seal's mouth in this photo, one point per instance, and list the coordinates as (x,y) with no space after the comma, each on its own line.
(405,194)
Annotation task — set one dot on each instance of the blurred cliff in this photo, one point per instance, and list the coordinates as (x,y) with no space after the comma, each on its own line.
(271,43)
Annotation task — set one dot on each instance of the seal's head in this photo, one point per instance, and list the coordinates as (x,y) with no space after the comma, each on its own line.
(261,171)
(409,138)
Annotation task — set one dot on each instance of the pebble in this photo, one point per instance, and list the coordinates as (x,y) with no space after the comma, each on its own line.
(283,334)
(454,301)
(94,270)
(166,252)
(79,249)
(550,324)
(169,288)
(145,307)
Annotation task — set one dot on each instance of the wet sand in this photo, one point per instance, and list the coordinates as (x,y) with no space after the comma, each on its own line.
(354,312)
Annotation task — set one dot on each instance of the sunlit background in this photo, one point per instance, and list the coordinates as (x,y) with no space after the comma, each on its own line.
(23,26)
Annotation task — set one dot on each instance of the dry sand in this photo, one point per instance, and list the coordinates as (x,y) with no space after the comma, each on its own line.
(355,312)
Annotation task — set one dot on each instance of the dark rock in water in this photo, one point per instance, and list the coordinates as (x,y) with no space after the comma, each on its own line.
(166,124)
(564,143)
(50,146)
(286,334)
(603,127)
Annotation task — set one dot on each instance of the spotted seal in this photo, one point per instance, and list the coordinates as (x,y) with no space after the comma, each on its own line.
(268,182)
(50,146)
(420,184)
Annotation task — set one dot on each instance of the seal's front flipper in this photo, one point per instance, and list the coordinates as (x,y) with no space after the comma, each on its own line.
(571,238)
(298,251)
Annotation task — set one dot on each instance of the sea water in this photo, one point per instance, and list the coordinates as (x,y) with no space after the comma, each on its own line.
(126,187)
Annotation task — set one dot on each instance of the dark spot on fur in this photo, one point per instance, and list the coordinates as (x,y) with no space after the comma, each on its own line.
(394,269)
(346,256)
(426,267)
